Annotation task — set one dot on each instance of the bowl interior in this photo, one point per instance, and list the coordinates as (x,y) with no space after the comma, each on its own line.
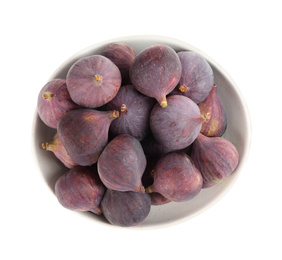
(238,132)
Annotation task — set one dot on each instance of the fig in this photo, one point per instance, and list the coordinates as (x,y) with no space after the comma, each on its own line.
(122,164)
(54,101)
(93,81)
(178,125)
(55,145)
(155,72)
(211,107)
(147,177)
(215,157)
(84,133)
(125,209)
(176,177)
(80,189)
(196,78)
(122,55)
(135,109)
(158,199)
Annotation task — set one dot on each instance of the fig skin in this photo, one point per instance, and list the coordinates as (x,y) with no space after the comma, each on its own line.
(122,164)
(155,72)
(176,177)
(55,145)
(215,157)
(196,77)
(212,109)
(178,125)
(84,133)
(135,109)
(54,102)
(122,55)
(125,209)
(93,81)
(80,189)
(158,199)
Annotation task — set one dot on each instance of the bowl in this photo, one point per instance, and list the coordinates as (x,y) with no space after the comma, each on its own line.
(238,132)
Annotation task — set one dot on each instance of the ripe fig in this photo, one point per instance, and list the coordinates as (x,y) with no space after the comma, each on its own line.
(155,72)
(125,209)
(84,133)
(158,199)
(211,107)
(215,157)
(122,55)
(178,125)
(93,81)
(55,145)
(135,109)
(54,101)
(122,164)
(80,189)
(196,78)
(176,177)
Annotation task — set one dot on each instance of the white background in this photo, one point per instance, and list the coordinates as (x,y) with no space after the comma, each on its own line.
(244,37)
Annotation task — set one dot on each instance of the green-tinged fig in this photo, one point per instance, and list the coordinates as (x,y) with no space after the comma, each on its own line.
(176,177)
(84,133)
(125,209)
(80,189)
(212,109)
(122,164)
(122,55)
(215,157)
(55,145)
(54,102)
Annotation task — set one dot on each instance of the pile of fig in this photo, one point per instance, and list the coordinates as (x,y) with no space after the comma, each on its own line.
(136,130)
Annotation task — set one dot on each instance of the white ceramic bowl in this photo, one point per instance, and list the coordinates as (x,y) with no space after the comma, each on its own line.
(238,132)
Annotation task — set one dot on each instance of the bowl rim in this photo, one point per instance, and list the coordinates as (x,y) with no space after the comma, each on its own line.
(185,45)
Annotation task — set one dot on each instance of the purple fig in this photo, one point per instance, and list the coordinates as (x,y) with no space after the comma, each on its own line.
(135,109)
(80,189)
(54,102)
(178,125)
(176,177)
(122,164)
(84,133)
(196,78)
(158,199)
(122,55)
(125,209)
(55,145)
(215,157)
(155,72)
(212,109)
(93,81)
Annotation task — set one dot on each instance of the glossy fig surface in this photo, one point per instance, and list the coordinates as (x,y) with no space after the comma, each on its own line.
(122,164)
(155,72)
(127,208)
(215,157)
(84,133)
(122,55)
(54,102)
(176,177)
(212,109)
(55,145)
(93,81)
(176,126)
(80,189)
(197,76)
(135,109)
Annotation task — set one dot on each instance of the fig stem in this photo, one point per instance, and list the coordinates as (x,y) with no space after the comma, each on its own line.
(163,104)
(115,114)
(183,88)
(98,78)
(207,116)
(141,189)
(123,109)
(149,189)
(48,95)
(44,145)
